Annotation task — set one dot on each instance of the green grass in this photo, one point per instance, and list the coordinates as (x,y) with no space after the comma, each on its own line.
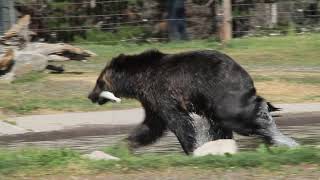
(110,38)
(268,59)
(43,94)
(261,78)
(30,77)
(306,79)
(279,52)
(302,80)
(33,159)
(63,160)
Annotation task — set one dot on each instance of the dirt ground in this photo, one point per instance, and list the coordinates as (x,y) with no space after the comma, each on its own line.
(300,172)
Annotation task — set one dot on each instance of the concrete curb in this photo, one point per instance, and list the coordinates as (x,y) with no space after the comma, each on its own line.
(299,108)
(56,122)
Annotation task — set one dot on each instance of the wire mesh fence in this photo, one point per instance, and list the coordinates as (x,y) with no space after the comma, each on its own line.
(114,21)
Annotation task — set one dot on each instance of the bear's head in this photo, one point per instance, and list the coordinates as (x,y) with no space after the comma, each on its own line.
(123,76)
(104,89)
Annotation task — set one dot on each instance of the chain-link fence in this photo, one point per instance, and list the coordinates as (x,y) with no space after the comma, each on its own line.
(113,21)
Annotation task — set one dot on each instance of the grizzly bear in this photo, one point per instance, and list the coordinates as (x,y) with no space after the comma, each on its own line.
(172,86)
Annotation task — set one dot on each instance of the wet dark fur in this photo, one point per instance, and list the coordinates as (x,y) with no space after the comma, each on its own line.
(171,86)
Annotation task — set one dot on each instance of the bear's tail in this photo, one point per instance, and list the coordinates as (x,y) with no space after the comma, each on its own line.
(272,108)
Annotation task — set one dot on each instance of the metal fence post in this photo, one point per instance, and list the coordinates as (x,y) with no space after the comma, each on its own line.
(1,16)
(177,20)
(7,14)
(12,13)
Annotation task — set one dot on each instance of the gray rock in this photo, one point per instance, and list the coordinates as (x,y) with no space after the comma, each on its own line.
(28,61)
(218,147)
(99,155)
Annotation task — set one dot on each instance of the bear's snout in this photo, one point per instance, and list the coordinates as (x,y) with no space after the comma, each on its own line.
(94,97)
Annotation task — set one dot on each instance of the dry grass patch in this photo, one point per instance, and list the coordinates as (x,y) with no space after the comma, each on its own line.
(284,92)
(88,77)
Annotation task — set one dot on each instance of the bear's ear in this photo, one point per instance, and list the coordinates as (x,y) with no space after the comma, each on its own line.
(118,60)
(121,57)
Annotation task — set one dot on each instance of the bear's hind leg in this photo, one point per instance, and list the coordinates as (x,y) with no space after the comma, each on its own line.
(264,126)
(152,128)
(268,130)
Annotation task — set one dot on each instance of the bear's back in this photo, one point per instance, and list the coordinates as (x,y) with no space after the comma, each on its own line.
(207,65)
(210,63)
(154,57)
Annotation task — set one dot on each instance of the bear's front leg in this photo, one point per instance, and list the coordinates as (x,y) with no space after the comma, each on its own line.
(152,128)
(181,124)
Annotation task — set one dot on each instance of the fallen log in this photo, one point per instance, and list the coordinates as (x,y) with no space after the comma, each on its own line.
(25,56)
(6,60)
(61,49)
(56,69)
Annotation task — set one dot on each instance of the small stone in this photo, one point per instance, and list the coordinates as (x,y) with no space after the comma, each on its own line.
(218,147)
(99,155)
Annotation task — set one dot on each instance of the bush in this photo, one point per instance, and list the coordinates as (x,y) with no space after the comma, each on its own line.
(123,34)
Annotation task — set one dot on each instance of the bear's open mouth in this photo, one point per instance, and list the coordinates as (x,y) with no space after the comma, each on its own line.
(106,95)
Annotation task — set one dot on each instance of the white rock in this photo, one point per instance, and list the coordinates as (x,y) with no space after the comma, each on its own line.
(9,129)
(99,155)
(218,147)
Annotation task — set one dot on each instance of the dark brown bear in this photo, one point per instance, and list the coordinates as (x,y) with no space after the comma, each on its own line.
(171,86)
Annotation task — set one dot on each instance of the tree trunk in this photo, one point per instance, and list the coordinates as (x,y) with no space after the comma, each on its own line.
(227,21)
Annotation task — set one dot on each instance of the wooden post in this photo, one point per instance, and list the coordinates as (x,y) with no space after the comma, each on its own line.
(274,14)
(227,21)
